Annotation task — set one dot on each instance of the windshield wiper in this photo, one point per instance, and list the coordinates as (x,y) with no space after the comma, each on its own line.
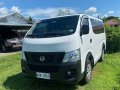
(33,35)
(54,33)
(43,35)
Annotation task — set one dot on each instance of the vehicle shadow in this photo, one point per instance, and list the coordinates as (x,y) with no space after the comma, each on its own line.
(19,82)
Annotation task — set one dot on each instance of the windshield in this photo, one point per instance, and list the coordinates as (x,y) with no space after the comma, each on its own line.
(55,27)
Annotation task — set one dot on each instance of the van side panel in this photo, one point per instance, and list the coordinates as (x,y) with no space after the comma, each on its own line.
(98,39)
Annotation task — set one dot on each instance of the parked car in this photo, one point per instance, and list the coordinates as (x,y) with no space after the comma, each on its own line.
(64,49)
(9,40)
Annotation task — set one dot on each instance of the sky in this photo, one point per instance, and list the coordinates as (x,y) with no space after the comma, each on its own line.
(49,8)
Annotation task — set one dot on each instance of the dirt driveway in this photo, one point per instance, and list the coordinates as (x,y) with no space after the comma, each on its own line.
(9,53)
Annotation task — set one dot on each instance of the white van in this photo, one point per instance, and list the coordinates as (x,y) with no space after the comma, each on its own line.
(64,49)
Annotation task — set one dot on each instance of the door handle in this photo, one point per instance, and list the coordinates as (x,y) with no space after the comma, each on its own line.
(90,40)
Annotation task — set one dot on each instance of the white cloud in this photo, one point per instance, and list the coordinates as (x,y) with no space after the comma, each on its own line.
(96,14)
(35,12)
(3,10)
(38,11)
(104,15)
(48,12)
(110,12)
(1,3)
(15,9)
(91,10)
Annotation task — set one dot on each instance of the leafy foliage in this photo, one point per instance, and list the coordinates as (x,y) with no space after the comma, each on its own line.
(113,39)
(30,20)
(63,12)
(110,18)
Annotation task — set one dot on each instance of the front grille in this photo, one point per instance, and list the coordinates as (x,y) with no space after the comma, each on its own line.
(50,57)
(40,68)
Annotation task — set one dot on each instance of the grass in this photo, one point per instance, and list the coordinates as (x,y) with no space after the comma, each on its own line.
(106,76)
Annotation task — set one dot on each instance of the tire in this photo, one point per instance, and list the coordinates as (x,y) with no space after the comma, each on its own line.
(102,55)
(88,72)
(4,48)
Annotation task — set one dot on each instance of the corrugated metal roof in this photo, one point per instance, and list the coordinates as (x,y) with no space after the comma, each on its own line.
(3,16)
(14,19)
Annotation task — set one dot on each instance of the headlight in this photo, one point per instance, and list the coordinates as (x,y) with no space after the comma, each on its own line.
(72,56)
(12,40)
(23,56)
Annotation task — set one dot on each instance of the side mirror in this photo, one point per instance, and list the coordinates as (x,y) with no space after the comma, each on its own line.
(85,29)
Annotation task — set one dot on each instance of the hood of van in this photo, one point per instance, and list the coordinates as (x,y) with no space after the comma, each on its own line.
(57,44)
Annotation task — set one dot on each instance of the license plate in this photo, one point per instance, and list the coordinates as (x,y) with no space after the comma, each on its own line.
(43,75)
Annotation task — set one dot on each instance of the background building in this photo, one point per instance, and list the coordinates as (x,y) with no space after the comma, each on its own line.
(16,22)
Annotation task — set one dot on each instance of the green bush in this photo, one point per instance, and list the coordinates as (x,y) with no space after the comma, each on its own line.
(113,39)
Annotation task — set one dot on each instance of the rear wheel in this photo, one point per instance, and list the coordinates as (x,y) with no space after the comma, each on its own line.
(88,72)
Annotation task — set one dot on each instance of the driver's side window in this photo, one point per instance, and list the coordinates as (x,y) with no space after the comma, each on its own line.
(84,26)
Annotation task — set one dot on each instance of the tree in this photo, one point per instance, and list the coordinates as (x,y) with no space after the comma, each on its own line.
(110,18)
(62,12)
(30,20)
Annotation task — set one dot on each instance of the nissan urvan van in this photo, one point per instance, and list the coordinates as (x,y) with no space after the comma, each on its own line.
(64,48)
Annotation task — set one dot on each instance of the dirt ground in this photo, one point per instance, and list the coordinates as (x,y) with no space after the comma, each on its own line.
(8,53)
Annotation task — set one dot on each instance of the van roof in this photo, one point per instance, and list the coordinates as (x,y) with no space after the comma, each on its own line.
(71,15)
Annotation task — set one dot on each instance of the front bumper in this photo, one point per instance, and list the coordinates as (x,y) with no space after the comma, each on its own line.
(14,45)
(59,72)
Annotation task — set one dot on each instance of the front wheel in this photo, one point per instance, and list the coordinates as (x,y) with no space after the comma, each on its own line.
(88,72)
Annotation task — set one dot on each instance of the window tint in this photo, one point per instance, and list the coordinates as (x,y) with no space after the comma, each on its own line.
(97,26)
(85,26)
(54,27)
